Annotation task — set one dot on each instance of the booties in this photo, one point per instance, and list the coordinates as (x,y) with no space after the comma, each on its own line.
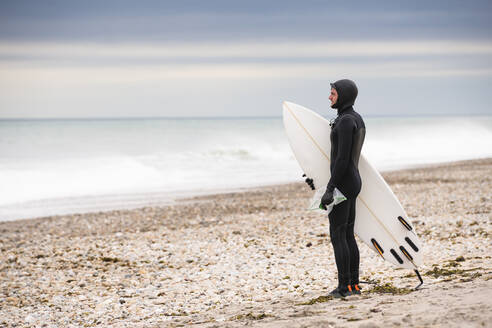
(339,292)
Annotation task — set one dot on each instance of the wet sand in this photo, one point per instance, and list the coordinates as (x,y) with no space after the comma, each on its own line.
(255,258)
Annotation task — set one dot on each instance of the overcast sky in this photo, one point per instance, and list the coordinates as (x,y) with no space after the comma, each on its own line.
(242,58)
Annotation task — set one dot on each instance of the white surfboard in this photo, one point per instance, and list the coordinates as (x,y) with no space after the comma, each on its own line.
(381,221)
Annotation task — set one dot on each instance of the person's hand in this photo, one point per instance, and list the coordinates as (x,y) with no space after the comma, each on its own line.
(309,181)
(327,199)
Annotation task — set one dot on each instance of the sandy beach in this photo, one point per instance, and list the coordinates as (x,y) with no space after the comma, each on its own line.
(254,258)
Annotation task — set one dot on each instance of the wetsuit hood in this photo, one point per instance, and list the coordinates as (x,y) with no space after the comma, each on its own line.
(347,92)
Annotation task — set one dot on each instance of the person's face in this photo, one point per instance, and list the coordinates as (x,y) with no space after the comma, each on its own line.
(333,96)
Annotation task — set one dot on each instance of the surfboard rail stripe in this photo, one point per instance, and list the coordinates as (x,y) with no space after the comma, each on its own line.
(360,198)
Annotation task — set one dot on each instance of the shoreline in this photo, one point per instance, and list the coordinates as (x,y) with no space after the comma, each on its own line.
(161,199)
(255,258)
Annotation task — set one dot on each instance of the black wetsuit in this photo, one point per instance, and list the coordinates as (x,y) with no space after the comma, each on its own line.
(347,137)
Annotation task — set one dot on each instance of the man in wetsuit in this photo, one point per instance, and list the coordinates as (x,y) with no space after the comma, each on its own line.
(347,136)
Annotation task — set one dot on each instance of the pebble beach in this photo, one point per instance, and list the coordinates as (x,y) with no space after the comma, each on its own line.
(252,258)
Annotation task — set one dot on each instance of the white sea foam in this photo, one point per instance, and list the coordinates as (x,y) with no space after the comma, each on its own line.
(397,143)
(55,167)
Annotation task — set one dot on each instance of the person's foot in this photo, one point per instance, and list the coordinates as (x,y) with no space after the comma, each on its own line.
(339,292)
(355,289)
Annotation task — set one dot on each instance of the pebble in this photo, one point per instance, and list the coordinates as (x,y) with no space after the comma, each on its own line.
(368,325)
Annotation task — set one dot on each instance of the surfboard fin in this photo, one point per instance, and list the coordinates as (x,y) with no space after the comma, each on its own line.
(406,253)
(378,248)
(410,242)
(405,223)
(397,257)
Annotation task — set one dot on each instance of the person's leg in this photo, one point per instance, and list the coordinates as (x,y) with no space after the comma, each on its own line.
(352,244)
(338,231)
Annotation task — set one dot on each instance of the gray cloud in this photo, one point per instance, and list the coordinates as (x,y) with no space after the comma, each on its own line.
(241,58)
(252,20)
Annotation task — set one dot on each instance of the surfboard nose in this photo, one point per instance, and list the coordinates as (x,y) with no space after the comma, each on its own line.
(287,103)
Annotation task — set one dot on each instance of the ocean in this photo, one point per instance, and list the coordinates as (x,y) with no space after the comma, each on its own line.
(50,167)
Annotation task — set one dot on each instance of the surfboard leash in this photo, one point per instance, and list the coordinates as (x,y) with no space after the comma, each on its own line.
(372,282)
(420,278)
